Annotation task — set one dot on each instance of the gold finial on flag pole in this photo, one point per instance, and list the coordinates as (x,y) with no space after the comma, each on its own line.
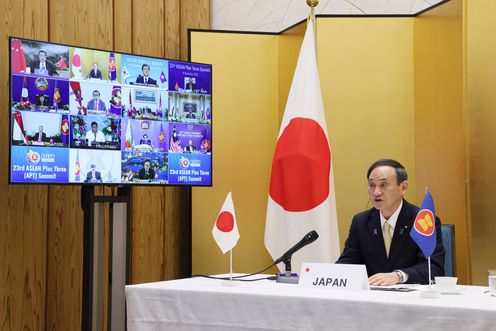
(312,3)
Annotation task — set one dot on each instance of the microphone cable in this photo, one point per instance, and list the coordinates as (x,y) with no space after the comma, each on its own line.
(238,278)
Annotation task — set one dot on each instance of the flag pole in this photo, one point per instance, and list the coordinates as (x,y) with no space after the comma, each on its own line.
(429,258)
(429,264)
(431,293)
(230,265)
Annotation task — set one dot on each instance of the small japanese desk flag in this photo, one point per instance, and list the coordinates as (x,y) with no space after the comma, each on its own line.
(225,229)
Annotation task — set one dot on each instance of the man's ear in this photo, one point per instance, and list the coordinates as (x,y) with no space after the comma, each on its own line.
(404,186)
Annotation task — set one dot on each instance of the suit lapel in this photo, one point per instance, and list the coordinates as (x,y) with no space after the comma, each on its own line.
(375,230)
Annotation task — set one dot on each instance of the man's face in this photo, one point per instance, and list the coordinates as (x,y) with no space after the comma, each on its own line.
(384,191)
(94,128)
(40,129)
(42,56)
(146,71)
(95,66)
(147,165)
(96,96)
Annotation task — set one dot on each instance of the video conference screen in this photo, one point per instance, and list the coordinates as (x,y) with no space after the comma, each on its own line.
(86,116)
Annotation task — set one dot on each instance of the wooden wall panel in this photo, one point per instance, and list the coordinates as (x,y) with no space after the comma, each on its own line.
(148,217)
(41,233)
(65,259)
(194,14)
(177,239)
(123,23)
(172,29)
(23,221)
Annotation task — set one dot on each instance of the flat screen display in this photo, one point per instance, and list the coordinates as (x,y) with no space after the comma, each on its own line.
(95,117)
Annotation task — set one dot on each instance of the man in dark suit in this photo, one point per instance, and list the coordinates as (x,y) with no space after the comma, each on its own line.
(190,148)
(40,136)
(146,172)
(43,66)
(145,78)
(93,175)
(96,103)
(190,85)
(95,73)
(380,237)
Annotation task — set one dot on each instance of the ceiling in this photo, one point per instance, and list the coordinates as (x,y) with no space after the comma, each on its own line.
(277,15)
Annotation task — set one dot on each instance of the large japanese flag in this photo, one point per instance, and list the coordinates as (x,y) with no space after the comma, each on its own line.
(225,229)
(301,193)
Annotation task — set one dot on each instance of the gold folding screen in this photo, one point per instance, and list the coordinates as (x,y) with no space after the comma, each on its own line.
(392,88)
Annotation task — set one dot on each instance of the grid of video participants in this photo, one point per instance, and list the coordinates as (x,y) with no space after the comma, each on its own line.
(81,115)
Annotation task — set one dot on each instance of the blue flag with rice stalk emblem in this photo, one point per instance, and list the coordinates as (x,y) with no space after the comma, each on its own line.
(424,228)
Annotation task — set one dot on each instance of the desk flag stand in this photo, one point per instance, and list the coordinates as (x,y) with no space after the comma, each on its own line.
(230,281)
(424,234)
(431,292)
(226,234)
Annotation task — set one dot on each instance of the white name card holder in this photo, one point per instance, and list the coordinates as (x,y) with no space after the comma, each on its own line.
(332,276)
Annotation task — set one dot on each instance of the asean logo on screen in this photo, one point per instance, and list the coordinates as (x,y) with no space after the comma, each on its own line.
(424,223)
(32,157)
(184,162)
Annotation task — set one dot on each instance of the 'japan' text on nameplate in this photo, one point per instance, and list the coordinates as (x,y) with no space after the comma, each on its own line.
(334,276)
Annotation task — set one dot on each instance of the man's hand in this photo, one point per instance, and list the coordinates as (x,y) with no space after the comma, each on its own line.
(390,278)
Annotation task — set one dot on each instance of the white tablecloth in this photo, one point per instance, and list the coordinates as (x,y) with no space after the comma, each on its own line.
(204,304)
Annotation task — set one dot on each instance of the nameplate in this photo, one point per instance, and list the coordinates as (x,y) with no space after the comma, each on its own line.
(331,276)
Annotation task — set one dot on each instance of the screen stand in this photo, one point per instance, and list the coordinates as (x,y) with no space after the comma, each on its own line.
(118,262)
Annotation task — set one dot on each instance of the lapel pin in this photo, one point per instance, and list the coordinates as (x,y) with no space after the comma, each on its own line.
(375,232)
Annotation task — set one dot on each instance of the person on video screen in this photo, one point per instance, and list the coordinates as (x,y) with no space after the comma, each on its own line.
(40,136)
(146,172)
(94,137)
(190,113)
(42,101)
(95,73)
(190,148)
(145,78)
(96,103)
(43,66)
(190,85)
(144,140)
(93,175)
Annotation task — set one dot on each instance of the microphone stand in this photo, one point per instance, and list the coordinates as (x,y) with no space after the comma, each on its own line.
(287,276)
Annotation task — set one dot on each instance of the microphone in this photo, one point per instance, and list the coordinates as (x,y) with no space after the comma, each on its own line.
(309,238)
(126,81)
(288,278)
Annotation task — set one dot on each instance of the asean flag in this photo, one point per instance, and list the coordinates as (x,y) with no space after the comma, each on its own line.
(424,229)
(301,192)
(225,229)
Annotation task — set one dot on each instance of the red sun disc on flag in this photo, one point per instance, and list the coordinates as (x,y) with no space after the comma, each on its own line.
(301,166)
(425,223)
(225,222)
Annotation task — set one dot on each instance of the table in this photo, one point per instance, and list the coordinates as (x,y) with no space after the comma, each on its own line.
(204,304)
